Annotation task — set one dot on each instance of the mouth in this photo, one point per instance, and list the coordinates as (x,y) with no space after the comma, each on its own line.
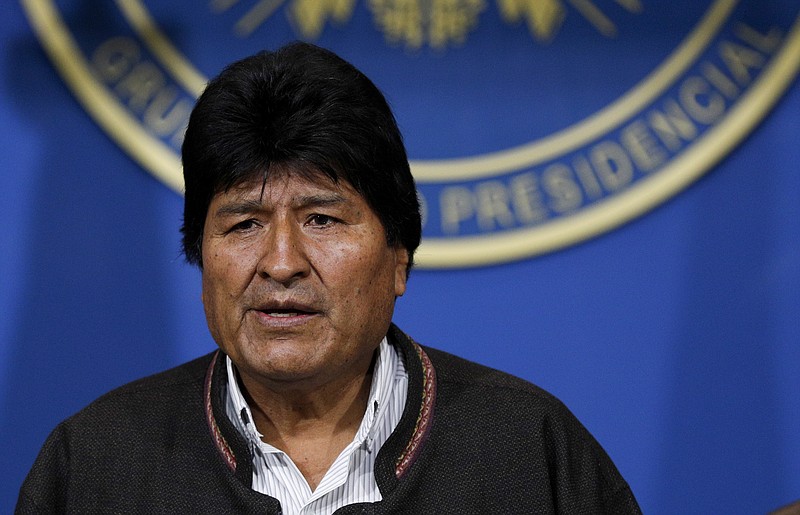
(285,312)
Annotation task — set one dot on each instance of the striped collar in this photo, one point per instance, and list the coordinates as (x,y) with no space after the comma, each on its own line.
(412,431)
(350,478)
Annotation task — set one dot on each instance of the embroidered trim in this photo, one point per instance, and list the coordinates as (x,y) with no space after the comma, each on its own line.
(425,418)
(219,440)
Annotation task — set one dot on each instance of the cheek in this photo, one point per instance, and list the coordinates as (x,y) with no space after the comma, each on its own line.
(212,293)
(221,304)
(210,309)
(227,269)
(222,284)
(374,276)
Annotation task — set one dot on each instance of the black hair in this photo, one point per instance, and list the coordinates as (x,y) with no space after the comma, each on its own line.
(305,108)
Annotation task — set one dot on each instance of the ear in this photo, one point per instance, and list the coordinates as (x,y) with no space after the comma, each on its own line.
(401,270)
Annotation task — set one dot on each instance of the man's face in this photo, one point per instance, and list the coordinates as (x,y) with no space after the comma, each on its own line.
(299,282)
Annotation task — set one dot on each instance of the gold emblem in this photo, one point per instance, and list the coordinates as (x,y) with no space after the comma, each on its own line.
(438,23)
(544,17)
(417,23)
(641,147)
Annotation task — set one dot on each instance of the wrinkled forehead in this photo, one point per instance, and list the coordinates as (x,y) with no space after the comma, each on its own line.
(290,185)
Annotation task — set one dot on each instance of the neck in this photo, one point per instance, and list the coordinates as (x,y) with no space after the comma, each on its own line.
(311,425)
(288,410)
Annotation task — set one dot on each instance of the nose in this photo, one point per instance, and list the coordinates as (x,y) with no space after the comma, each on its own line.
(284,259)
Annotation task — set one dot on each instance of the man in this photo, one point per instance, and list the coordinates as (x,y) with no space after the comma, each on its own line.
(302,215)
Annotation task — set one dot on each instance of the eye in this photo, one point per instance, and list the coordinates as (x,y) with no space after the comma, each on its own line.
(244,226)
(321,220)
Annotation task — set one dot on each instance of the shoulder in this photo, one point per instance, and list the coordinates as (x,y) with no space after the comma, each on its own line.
(159,392)
(154,406)
(121,441)
(466,379)
(467,388)
(191,372)
(511,428)
(494,404)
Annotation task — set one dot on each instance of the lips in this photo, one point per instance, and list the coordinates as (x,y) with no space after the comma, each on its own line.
(286,310)
(284,314)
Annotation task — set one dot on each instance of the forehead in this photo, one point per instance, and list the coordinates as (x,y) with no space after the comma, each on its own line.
(290,187)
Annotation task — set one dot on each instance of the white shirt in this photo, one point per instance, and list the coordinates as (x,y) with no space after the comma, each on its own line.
(351,477)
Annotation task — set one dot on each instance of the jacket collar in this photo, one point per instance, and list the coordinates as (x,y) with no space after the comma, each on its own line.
(396,457)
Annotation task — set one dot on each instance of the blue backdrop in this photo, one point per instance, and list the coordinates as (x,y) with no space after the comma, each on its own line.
(674,337)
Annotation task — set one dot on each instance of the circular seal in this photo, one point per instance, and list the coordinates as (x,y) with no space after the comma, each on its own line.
(531,124)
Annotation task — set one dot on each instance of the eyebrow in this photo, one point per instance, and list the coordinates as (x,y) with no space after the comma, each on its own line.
(245,206)
(238,207)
